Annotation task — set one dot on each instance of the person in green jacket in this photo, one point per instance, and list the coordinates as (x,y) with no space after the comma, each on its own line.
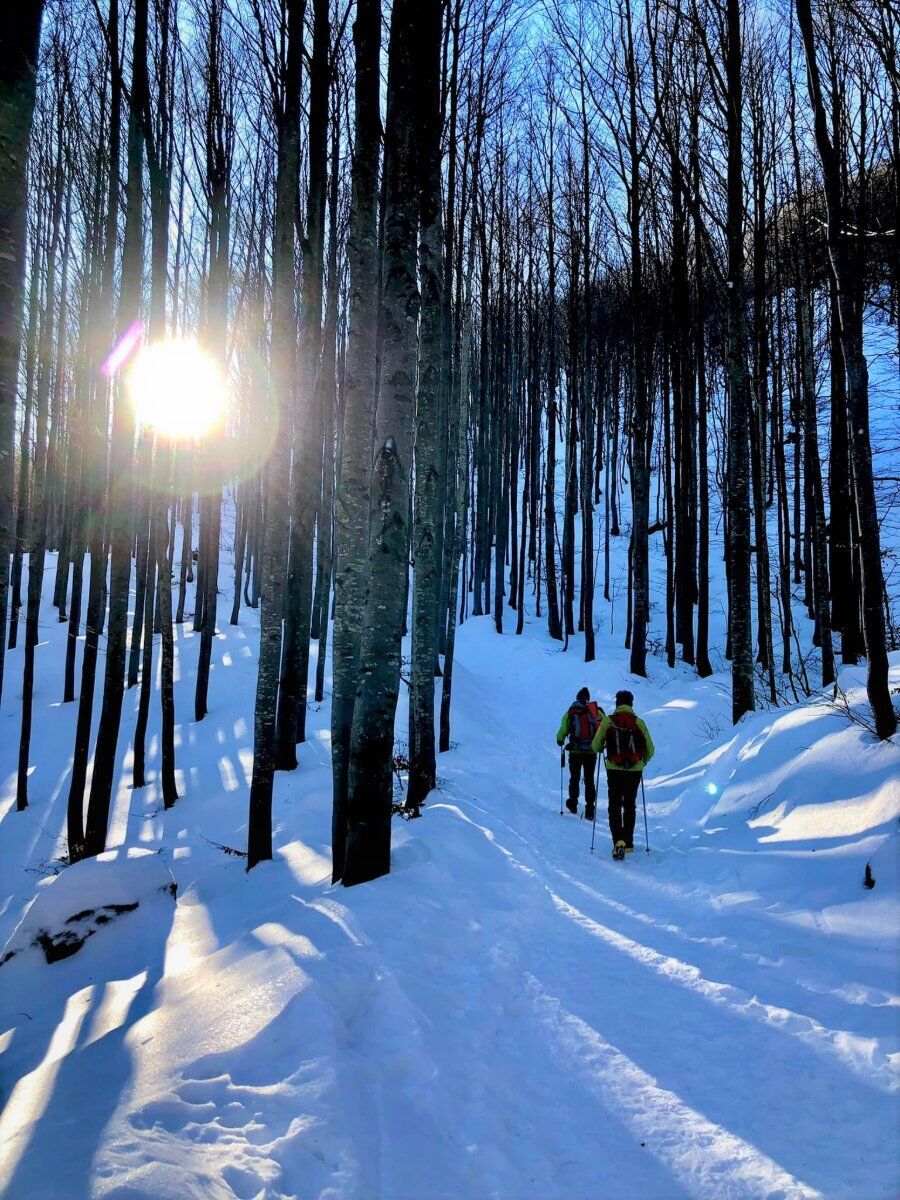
(579,724)
(629,747)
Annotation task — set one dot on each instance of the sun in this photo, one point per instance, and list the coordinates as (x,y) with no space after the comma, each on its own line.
(177,389)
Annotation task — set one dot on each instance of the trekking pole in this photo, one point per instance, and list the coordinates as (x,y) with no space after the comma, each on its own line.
(562,768)
(596,793)
(644,798)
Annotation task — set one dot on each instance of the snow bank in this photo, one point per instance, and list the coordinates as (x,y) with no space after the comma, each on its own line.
(73,905)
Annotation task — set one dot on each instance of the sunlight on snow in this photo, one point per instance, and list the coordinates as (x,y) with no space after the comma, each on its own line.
(306,865)
(112,1011)
(32,1093)
(228,775)
(848,817)
(191,938)
(280,937)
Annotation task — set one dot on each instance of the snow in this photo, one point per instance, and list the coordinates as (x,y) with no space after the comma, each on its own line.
(505,1015)
(78,902)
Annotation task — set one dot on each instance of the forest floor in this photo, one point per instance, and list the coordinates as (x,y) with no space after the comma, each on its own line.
(505,1015)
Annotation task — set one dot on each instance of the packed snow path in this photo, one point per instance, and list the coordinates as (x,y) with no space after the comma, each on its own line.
(505,1015)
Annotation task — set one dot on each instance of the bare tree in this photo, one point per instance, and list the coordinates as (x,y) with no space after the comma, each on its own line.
(18,68)
(372,739)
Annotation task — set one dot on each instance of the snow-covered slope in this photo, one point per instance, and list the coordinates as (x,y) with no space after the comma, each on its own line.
(505,1015)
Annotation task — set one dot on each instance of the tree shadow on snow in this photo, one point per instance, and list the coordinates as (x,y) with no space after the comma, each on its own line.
(71,1060)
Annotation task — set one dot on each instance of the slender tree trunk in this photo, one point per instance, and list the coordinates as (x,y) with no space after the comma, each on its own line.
(640,418)
(42,485)
(24,489)
(351,510)
(821,591)
(758,417)
(307,456)
(739,415)
(143,492)
(240,548)
(330,414)
(428,481)
(18,66)
(668,372)
(274,546)
(554,623)
(121,458)
(184,570)
(146,690)
(459,428)
(844,600)
(219,153)
(96,467)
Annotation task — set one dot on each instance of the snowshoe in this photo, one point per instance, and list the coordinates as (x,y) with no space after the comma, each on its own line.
(619,851)
(629,849)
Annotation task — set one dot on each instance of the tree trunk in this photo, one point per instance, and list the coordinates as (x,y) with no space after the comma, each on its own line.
(121,457)
(370,779)
(351,508)
(306,471)
(330,414)
(96,470)
(639,573)
(739,607)
(40,516)
(844,600)
(428,481)
(219,152)
(554,623)
(18,66)
(274,546)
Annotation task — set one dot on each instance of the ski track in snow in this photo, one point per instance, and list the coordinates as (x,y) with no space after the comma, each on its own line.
(860,1055)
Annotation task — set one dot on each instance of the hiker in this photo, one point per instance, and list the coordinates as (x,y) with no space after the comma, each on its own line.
(579,724)
(629,748)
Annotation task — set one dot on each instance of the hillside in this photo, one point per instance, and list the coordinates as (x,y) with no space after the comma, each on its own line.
(505,1014)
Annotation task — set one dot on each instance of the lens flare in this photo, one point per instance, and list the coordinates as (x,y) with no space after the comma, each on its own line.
(123,349)
(712,789)
(177,389)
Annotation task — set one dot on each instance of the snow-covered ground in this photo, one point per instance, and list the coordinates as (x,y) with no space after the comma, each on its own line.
(505,1015)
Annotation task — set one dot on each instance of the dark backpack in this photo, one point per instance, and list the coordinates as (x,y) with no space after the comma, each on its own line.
(625,744)
(583,724)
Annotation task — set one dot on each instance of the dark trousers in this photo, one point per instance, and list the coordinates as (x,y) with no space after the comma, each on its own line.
(586,764)
(623,789)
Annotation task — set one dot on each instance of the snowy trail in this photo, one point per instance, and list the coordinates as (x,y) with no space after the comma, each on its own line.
(724,958)
(505,1015)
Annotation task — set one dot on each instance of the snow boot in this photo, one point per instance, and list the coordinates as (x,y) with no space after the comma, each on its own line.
(629,849)
(572,806)
(619,851)
(589,814)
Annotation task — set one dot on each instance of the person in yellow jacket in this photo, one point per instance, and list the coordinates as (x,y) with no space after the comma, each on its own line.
(628,746)
(580,722)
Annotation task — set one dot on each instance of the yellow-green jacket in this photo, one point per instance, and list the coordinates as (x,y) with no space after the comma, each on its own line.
(600,738)
(565,726)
